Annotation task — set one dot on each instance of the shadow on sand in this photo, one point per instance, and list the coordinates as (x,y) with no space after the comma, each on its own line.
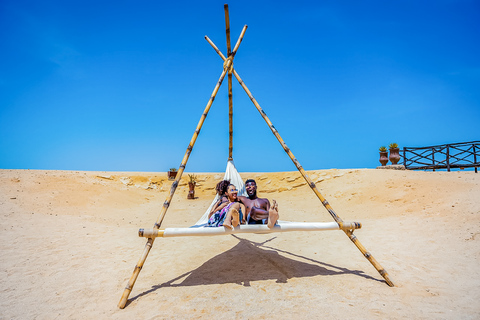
(251,261)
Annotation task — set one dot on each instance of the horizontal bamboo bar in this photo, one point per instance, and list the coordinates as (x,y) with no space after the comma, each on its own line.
(245,228)
(150,233)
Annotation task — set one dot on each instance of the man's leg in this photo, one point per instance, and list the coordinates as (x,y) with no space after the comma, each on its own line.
(273,215)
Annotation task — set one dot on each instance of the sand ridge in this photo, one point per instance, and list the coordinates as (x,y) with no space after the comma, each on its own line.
(69,244)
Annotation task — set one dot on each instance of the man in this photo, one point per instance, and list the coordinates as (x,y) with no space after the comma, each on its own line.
(258,210)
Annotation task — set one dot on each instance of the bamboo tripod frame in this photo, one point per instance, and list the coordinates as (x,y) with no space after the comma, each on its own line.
(228,69)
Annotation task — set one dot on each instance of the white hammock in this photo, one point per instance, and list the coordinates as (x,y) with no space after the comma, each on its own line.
(199,229)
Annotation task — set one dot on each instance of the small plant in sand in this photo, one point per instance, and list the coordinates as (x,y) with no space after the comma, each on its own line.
(172,173)
(393,145)
(191,186)
(382,149)
(193,178)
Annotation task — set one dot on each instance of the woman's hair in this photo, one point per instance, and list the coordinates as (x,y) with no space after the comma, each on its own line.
(222,187)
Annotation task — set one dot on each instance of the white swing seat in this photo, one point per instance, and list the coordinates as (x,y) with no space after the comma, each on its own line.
(281,226)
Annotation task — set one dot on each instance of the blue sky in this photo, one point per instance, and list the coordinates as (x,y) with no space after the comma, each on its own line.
(120,86)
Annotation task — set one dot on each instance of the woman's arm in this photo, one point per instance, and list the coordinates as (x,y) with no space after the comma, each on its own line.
(218,206)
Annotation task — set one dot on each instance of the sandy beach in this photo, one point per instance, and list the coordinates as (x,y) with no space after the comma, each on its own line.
(69,243)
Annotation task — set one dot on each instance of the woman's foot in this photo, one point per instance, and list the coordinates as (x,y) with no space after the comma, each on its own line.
(232,219)
(227,225)
(273,214)
(235,217)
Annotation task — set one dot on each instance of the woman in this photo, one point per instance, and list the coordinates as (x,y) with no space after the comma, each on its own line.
(227,213)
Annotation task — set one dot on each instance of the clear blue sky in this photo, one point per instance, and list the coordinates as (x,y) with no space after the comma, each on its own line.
(121,85)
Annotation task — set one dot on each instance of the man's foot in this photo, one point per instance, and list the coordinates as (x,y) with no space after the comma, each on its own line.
(273,215)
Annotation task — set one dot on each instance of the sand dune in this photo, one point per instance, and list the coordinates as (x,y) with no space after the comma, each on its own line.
(69,244)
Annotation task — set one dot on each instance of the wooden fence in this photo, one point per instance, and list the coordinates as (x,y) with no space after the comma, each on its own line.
(446,156)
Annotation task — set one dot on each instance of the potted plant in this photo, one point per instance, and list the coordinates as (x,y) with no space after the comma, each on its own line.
(383,155)
(394,153)
(172,173)
(191,186)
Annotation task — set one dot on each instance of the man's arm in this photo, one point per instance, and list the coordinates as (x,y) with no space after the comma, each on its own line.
(262,212)
(267,205)
(241,199)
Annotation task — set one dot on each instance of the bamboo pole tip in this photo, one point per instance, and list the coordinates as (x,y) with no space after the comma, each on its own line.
(123,302)
(225,5)
(389,282)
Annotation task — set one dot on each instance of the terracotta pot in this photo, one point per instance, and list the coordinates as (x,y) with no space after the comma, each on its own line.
(394,155)
(172,175)
(383,157)
(191,191)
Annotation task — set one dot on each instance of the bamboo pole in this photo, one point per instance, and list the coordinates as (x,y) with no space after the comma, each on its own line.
(230,93)
(166,204)
(312,185)
(231,55)
(227,26)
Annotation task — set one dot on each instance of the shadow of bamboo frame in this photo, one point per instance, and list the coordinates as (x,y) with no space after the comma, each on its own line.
(250,261)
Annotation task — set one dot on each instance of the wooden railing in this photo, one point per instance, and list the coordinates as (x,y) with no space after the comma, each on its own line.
(446,156)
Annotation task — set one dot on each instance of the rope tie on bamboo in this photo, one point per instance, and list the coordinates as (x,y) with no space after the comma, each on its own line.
(225,64)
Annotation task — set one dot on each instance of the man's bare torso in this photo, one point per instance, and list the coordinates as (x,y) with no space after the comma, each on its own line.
(256,208)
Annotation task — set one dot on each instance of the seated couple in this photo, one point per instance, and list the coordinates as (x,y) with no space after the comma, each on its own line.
(228,211)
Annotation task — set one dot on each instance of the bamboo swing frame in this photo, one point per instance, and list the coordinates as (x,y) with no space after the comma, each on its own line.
(152,234)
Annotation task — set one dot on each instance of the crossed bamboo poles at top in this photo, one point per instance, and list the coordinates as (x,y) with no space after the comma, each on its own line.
(228,68)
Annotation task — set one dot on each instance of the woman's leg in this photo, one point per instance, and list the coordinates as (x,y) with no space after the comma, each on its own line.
(232,219)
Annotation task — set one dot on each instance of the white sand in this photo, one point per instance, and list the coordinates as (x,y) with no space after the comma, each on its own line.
(68,245)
